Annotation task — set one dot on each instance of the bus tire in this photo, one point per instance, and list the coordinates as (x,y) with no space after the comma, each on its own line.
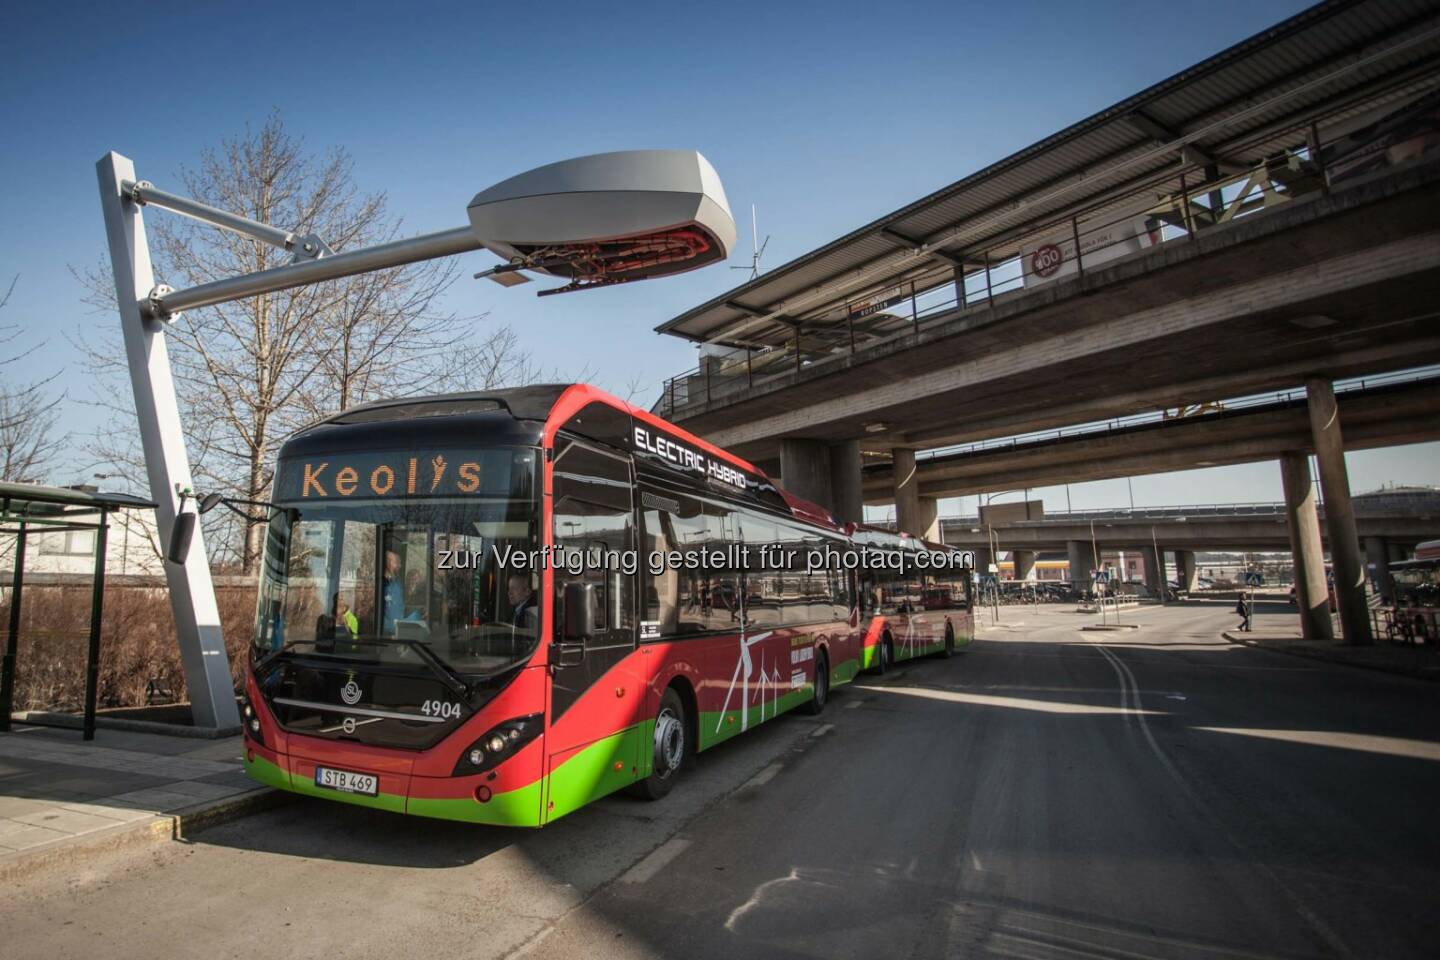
(816,704)
(949,642)
(883,657)
(671,747)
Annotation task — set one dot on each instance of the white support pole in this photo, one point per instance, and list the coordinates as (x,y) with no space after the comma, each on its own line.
(192,594)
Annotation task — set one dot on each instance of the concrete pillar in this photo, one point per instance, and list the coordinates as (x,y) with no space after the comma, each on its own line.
(983,559)
(805,470)
(1185,573)
(1377,565)
(1312,596)
(929,519)
(1024,561)
(1154,582)
(1082,562)
(848,504)
(1339,513)
(907,493)
(1398,551)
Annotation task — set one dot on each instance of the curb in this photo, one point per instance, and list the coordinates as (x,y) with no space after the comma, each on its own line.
(161,828)
(1320,657)
(72,722)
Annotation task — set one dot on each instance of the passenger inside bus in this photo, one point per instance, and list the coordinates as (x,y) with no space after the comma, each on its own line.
(522,598)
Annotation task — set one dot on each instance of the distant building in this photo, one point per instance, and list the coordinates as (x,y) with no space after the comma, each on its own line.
(133,549)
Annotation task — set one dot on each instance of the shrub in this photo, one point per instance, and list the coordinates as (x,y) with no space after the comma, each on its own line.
(137,643)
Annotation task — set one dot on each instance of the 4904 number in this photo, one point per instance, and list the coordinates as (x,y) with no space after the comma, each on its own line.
(439,708)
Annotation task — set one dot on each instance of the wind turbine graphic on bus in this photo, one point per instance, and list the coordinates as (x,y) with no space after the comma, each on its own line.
(744,667)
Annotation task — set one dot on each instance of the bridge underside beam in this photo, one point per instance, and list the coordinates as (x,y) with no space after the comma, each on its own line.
(1264,532)
(1398,415)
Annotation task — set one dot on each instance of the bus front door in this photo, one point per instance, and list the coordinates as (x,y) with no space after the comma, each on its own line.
(596,730)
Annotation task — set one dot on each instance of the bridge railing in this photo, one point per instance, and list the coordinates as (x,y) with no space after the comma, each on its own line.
(1169,207)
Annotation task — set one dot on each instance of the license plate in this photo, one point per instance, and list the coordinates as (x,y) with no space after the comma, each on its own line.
(347,782)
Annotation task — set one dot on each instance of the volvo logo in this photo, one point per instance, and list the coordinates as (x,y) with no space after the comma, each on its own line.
(349,725)
(350,693)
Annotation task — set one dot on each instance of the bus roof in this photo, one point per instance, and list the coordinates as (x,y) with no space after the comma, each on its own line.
(547,408)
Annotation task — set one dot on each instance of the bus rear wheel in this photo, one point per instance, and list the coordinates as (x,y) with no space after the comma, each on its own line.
(670,747)
(816,704)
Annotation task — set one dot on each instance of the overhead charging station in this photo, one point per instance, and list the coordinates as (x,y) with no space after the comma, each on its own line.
(591,221)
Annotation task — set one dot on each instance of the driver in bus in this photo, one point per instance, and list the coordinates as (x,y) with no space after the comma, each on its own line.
(522,597)
(392,594)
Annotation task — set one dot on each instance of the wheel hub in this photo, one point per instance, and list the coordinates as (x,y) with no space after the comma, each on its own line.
(669,743)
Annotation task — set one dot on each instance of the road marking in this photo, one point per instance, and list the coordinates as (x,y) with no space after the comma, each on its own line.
(821,731)
(793,876)
(1128,688)
(1016,703)
(655,861)
(763,777)
(975,862)
(853,704)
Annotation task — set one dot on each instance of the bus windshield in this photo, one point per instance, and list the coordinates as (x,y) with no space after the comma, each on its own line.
(367,579)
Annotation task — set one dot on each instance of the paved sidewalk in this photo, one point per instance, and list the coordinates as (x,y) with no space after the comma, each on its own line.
(56,791)
(1410,661)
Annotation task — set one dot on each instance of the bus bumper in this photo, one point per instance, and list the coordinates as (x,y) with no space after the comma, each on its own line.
(446,798)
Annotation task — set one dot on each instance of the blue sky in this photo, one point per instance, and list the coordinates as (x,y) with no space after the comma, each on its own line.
(823,115)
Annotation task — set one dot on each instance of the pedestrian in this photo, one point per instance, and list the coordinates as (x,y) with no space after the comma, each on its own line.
(1243,609)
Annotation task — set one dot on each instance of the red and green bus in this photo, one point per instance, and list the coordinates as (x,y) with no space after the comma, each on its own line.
(497,607)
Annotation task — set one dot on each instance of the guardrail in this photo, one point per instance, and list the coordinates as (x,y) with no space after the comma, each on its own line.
(1018,262)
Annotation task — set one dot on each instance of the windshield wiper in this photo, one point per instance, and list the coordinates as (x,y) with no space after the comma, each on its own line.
(437,666)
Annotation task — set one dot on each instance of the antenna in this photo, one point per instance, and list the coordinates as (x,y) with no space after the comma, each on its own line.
(757,249)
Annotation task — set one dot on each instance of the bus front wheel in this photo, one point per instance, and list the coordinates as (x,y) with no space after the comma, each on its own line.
(882,657)
(670,745)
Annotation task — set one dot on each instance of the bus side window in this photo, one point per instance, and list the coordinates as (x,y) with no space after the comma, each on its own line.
(674,597)
(764,585)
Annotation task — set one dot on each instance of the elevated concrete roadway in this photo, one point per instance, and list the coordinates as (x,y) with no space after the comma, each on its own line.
(1383,416)
(1179,531)
(1336,286)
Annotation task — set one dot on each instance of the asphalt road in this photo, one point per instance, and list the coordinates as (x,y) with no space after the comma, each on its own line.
(1048,793)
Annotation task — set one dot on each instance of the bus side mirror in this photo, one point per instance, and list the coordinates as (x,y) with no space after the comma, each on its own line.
(180,536)
(581,601)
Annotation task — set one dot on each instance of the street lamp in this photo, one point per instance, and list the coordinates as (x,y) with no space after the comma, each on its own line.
(591,221)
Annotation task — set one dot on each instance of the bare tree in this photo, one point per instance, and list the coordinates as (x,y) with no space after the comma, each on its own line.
(28,415)
(248,372)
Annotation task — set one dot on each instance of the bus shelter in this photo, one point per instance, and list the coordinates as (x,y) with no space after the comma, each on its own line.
(26,510)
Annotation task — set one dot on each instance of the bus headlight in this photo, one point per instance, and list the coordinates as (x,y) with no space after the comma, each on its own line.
(250,721)
(498,744)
